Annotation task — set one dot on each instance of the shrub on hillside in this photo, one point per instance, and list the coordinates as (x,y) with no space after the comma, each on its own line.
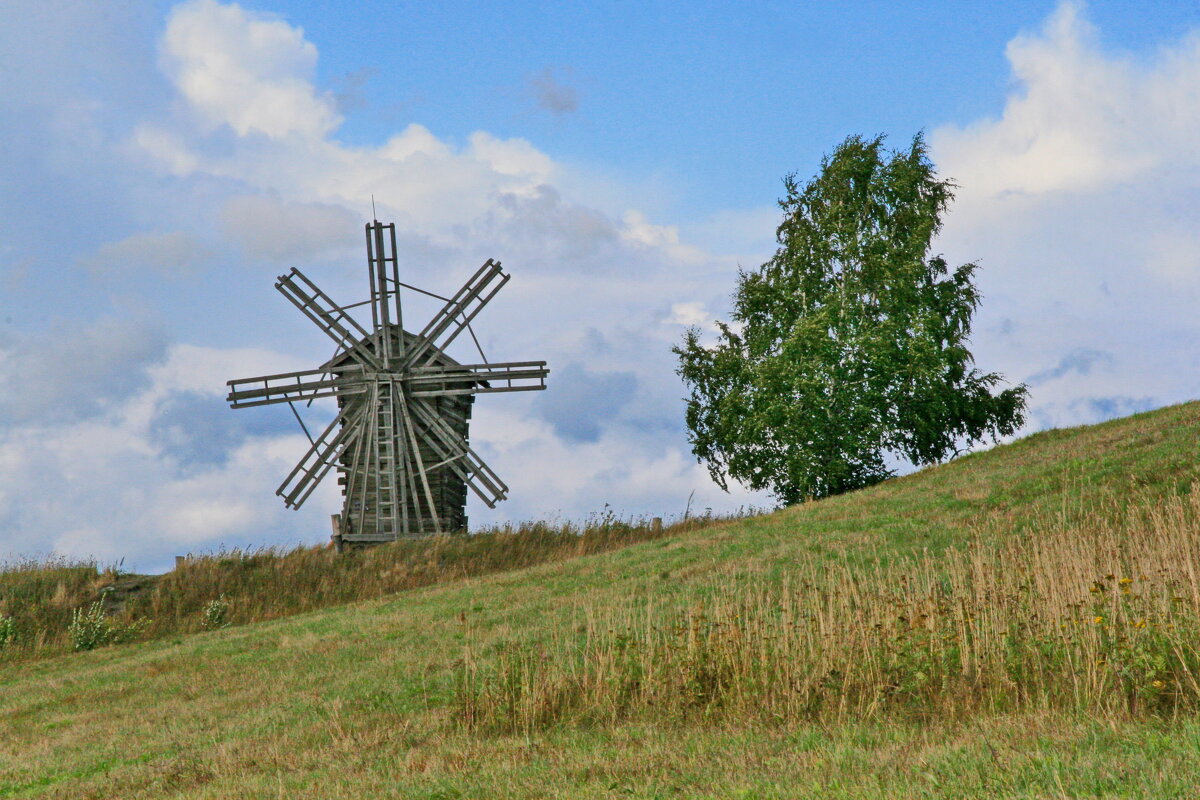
(215,614)
(8,631)
(91,628)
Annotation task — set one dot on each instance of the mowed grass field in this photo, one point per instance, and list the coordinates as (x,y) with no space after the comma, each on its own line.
(562,679)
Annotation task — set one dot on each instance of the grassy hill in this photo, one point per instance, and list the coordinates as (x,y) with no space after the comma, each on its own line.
(687,665)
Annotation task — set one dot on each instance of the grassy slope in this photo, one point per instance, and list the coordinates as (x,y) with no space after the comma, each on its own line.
(351,702)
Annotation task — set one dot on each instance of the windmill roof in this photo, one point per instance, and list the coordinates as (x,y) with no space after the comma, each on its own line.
(371,344)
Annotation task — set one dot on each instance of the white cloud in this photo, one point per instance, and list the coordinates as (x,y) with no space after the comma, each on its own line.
(245,70)
(70,370)
(1080,119)
(689,314)
(515,157)
(151,463)
(1070,199)
(642,233)
(114,492)
(1072,202)
(558,477)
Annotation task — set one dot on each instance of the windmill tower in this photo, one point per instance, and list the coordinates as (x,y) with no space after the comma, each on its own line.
(400,439)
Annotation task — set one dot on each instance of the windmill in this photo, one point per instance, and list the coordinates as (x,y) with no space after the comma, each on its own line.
(400,437)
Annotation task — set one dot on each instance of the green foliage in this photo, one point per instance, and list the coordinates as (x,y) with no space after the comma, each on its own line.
(91,628)
(8,631)
(850,343)
(215,614)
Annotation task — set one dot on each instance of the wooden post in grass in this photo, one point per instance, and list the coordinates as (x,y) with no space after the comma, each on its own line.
(336,539)
(656,526)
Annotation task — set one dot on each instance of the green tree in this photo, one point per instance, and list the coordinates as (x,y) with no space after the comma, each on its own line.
(850,343)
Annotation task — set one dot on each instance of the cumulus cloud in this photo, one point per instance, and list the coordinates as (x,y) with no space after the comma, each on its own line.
(1070,201)
(1080,119)
(133,430)
(246,70)
(689,314)
(197,431)
(71,371)
(558,477)
(157,474)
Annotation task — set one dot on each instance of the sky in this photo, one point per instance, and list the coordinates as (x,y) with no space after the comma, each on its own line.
(163,163)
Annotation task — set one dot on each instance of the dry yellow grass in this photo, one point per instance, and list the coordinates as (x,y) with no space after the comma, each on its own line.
(1099,614)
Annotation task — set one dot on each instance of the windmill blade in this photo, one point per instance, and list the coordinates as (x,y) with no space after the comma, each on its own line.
(457,455)
(365,462)
(418,465)
(291,387)
(438,380)
(327,315)
(323,455)
(356,517)
(457,314)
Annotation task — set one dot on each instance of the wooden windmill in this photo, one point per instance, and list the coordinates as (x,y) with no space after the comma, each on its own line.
(400,438)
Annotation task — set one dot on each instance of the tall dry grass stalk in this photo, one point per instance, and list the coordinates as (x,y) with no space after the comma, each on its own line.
(1100,615)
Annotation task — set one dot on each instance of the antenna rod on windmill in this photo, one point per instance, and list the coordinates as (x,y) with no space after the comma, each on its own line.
(374,217)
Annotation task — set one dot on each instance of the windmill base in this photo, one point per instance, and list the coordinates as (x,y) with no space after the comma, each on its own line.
(342,541)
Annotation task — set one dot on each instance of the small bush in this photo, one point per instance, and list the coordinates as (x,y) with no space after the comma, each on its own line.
(91,628)
(215,614)
(8,631)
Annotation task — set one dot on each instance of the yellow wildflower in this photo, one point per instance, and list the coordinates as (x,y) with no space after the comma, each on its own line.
(1098,620)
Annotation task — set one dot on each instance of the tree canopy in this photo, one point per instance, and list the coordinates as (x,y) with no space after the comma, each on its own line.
(850,343)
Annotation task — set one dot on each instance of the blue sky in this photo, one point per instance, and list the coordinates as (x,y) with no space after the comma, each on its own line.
(163,162)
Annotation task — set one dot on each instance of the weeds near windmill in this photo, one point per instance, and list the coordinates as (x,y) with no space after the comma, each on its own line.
(53,605)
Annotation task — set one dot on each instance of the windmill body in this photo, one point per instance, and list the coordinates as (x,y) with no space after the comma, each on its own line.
(400,440)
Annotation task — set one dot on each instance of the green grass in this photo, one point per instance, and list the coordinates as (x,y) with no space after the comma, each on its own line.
(360,700)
